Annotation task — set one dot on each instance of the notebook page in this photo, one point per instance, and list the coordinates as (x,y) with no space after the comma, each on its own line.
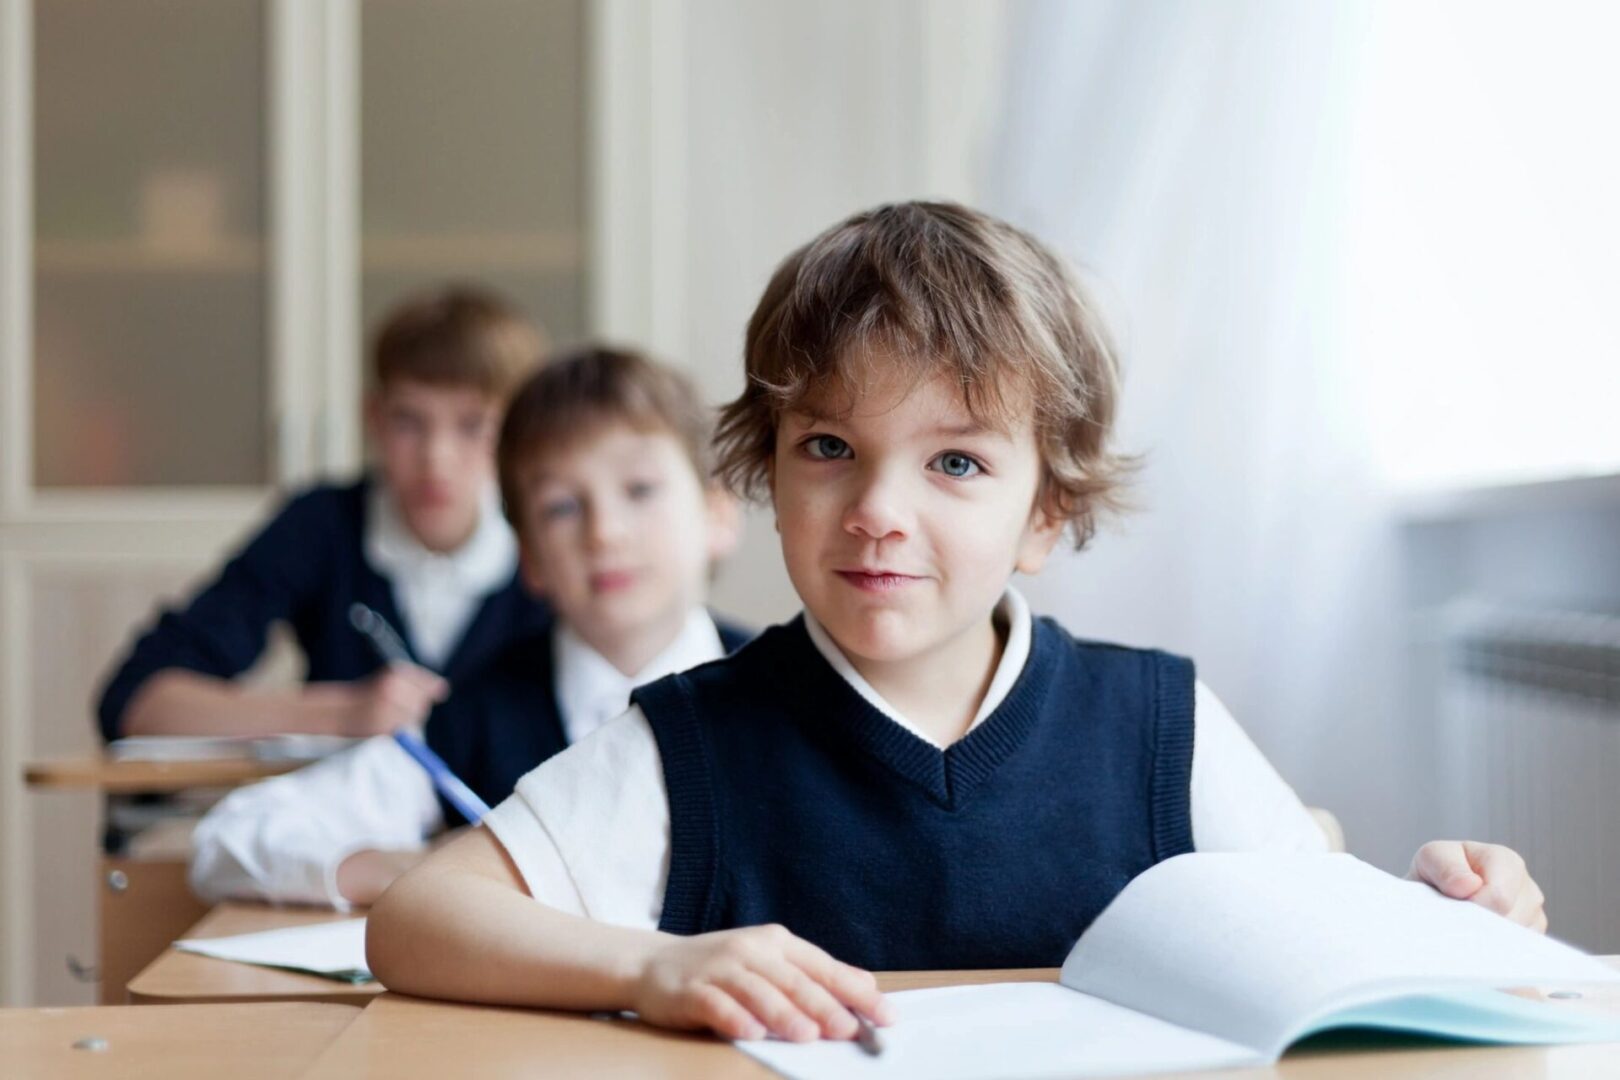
(1027,1030)
(336,950)
(1253,947)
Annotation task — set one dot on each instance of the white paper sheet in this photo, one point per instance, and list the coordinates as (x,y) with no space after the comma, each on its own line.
(1033,1030)
(335,949)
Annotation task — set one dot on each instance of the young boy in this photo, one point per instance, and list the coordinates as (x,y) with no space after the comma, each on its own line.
(915,773)
(422,541)
(603,461)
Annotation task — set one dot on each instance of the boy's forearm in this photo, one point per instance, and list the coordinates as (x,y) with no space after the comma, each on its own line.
(179,702)
(447,934)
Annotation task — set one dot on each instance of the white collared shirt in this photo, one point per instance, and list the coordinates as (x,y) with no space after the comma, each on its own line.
(589,829)
(284,838)
(438,593)
(591,691)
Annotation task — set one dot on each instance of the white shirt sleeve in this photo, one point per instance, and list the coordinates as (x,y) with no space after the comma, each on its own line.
(284,838)
(1239,803)
(589,828)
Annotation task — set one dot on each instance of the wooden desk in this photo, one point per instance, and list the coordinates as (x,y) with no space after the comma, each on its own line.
(181,978)
(144,902)
(399,1036)
(120,777)
(244,1042)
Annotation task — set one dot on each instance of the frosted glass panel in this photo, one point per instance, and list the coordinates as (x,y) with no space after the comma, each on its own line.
(472,152)
(150,357)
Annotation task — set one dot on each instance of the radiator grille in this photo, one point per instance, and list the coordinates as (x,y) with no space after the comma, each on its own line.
(1530,701)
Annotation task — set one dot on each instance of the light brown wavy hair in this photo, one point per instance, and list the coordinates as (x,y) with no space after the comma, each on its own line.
(459,336)
(579,391)
(937,289)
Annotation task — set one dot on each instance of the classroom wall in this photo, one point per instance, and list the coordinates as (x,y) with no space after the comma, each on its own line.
(795,117)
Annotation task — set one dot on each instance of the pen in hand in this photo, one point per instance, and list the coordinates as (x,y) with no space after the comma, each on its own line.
(392,650)
(866,1035)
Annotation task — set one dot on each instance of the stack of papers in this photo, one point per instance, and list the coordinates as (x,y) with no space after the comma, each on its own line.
(227,747)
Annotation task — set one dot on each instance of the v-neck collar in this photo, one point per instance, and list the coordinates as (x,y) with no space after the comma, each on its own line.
(949,776)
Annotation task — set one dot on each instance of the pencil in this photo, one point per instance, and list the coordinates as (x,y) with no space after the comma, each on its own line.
(866,1035)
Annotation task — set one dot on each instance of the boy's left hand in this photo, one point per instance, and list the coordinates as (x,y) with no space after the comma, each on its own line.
(1490,875)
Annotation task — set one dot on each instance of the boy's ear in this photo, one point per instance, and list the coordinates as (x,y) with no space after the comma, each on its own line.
(1041,534)
(725,521)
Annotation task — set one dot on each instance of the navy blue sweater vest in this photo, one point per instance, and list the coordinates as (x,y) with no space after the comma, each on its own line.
(504,721)
(304,568)
(793,800)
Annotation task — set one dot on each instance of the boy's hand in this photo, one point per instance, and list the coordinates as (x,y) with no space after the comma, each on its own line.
(746,983)
(1490,875)
(400,695)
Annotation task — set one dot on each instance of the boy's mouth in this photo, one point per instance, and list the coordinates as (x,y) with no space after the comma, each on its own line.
(876,581)
(608,581)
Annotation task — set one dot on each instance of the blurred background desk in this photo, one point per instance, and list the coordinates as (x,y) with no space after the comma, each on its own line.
(148,809)
(181,978)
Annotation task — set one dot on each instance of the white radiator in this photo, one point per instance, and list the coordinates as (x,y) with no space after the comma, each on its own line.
(1530,702)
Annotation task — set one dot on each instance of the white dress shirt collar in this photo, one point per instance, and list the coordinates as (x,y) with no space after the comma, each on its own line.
(1011,611)
(591,691)
(438,594)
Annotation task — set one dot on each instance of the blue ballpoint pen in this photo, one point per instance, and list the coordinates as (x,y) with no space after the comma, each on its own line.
(392,650)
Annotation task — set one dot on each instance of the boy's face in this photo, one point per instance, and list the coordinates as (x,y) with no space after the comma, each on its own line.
(618,532)
(902,520)
(436,448)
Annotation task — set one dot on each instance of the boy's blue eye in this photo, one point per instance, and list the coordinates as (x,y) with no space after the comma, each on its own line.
(640,489)
(559,508)
(956,464)
(827,447)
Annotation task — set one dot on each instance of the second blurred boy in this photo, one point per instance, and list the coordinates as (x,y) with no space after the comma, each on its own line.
(603,461)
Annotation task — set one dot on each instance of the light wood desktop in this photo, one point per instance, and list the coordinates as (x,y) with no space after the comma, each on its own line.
(179,978)
(121,777)
(244,1042)
(406,1037)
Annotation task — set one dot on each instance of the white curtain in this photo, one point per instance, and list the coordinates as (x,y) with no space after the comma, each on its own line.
(1349,249)
(1191,157)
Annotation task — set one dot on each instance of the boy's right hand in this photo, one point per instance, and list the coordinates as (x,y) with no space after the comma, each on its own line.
(400,695)
(746,983)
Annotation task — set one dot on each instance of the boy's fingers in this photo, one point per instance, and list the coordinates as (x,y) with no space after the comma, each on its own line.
(1507,880)
(720,1012)
(812,998)
(771,1006)
(421,679)
(1498,865)
(1495,898)
(1529,910)
(1444,865)
(854,987)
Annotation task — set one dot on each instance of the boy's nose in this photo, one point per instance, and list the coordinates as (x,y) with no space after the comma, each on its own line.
(878,510)
(603,526)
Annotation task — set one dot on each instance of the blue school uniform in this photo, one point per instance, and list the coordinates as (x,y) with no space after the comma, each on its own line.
(794,800)
(505,721)
(306,567)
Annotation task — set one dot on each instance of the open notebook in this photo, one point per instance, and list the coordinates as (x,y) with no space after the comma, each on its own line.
(1221,960)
